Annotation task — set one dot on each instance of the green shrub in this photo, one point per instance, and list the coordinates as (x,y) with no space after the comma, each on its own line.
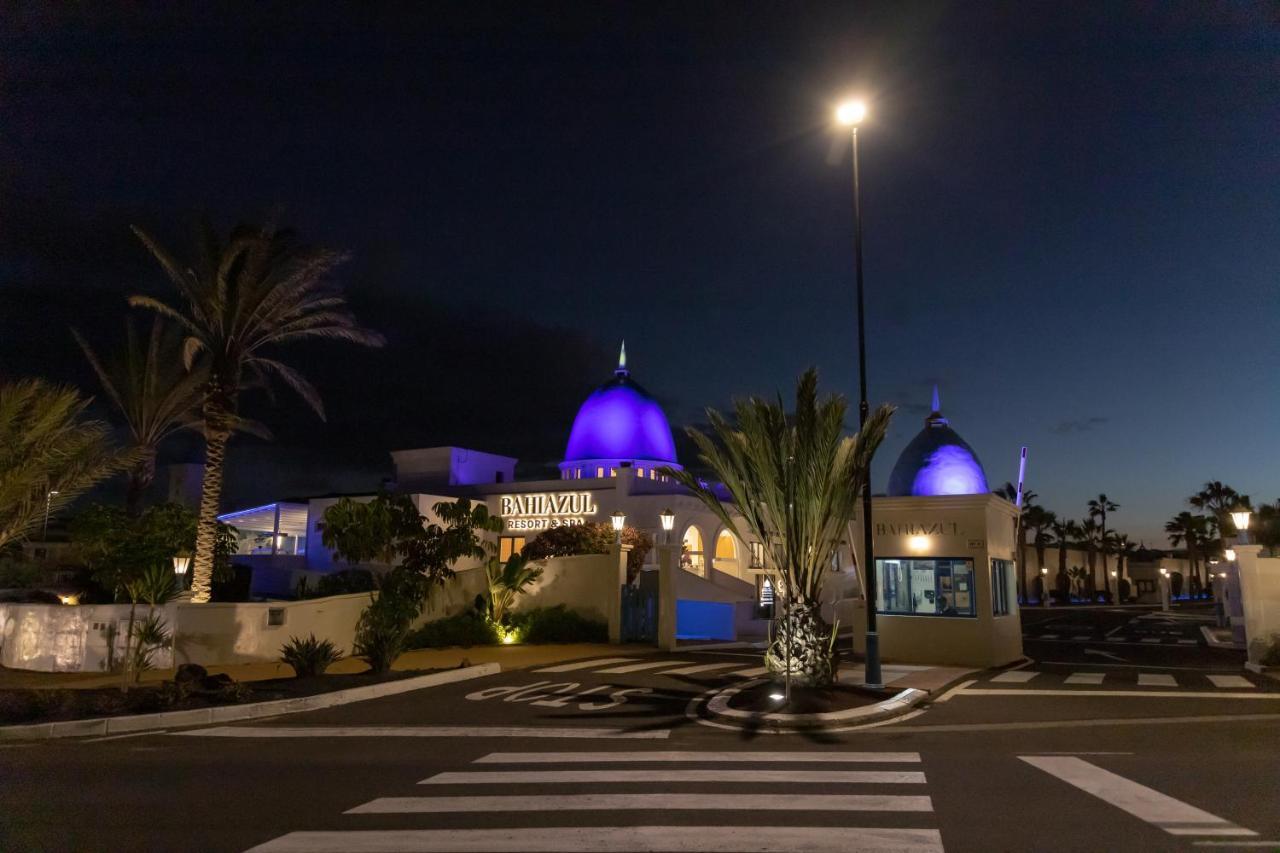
(310,656)
(381,633)
(558,625)
(468,628)
(344,582)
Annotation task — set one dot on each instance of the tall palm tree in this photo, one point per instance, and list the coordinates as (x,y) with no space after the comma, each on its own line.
(1218,499)
(1010,493)
(1189,530)
(1125,549)
(1091,537)
(1064,532)
(795,482)
(1039,521)
(237,301)
(1098,508)
(153,393)
(50,454)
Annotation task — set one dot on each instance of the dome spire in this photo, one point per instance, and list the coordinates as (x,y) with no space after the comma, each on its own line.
(622,360)
(935,416)
(937,406)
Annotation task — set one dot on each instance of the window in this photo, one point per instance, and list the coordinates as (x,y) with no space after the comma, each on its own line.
(1001,595)
(613,472)
(640,473)
(275,616)
(508,545)
(925,587)
(599,471)
(692,557)
(757,555)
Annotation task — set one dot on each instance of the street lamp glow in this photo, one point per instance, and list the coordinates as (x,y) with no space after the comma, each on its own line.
(1241,519)
(851,113)
(619,518)
(1230,554)
(668,519)
(181,563)
(1044,571)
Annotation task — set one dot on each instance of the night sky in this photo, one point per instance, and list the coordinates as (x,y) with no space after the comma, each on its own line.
(1072,218)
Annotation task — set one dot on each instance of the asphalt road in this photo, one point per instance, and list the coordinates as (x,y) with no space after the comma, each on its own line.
(565,760)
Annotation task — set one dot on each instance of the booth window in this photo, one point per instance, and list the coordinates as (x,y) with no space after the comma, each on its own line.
(936,587)
(757,555)
(1001,577)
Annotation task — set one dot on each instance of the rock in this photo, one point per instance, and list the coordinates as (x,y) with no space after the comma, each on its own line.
(190,672)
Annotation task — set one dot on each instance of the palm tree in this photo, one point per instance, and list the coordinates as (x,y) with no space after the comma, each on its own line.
(1098,508)
(153,393)
(1125,549)
(236,301)
(1064,531)
(1039,521)
(1010,493)
(49,454)
(1189,530)
(1091,538)
(1218,499)
(795,483)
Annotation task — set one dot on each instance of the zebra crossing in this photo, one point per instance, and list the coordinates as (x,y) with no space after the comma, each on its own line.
(808,800)
(1128,678)
(685,668)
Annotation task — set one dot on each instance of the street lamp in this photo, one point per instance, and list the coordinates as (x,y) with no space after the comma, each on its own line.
(181,562)
(850,114)
(1241,518)
(48,503)
(619,518)
(668,519)
(1044,586)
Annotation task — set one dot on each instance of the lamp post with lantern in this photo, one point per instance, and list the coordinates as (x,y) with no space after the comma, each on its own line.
(619,519)
(668,519)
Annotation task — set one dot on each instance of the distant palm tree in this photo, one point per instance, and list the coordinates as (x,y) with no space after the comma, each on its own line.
(1039,521)
(1098,508)
(238,299)
(1125,549)
(153,393)
(49,454)
(1188,530)
(1064,531)
(1091,537)
(795,481)
(1010,493)
(1218,499)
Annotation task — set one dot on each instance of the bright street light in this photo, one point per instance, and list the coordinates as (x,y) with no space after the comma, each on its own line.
(619,518)
(1241,519)
(1230,554)
(851,112)
(668,519)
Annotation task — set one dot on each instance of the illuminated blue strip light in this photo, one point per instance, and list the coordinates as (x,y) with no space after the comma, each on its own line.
(241,512)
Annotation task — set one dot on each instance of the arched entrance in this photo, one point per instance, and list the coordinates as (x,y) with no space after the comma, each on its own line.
(692,551)
(726,559)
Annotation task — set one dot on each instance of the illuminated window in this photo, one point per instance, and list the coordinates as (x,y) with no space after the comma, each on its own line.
(757,555)
(640,473)
(508,545)
(692,557)
(613,472)
(599,471)
(926,587)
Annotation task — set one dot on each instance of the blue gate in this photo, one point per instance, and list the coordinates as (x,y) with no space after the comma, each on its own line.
(640,613)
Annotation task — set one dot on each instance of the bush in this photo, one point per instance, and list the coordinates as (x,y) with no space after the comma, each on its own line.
(558,625)
(594,537)
(344,582)
(469,628)
(310,656)
(382,633)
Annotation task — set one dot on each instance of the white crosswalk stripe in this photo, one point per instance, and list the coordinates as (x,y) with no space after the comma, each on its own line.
(583,664)
(1017,676)
(723,811)
(1231,681)
(1085,678)
(638,667)
(624,666)
(699,669)
(1156,679)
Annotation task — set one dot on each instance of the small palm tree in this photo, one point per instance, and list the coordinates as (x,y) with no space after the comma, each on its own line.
(237,301)
(50,454)
(153,393)
(1064,532)
(507,580)
(1098,508)
(795,482)
(1090,536)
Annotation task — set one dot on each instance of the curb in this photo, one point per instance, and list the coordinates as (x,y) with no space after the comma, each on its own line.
(717,708)
(250,711)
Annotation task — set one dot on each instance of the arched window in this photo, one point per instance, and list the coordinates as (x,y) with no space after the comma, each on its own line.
(726,553)
(692,556)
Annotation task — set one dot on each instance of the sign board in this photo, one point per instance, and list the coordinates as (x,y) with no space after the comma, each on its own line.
(546,510)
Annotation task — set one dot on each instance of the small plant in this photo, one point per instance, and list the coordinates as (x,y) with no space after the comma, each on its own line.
(149,636)
(381,635)
(557,625)
(310,656)
(507,580)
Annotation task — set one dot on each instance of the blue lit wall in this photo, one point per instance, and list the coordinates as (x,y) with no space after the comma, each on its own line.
(704,620)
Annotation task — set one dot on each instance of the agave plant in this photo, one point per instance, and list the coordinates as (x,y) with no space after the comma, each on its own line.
(794,483)
(310,656)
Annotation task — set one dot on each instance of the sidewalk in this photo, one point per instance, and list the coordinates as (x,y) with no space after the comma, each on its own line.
(510,657)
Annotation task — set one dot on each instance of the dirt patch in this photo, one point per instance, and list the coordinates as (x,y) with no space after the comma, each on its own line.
(45,706)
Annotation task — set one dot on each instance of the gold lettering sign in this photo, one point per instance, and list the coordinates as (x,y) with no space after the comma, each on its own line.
(546,510)
(917,528)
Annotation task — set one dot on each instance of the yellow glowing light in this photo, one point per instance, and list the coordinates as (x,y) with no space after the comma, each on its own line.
(851,112)
(508,639)
(1230,554)
(918,543)
(69,599)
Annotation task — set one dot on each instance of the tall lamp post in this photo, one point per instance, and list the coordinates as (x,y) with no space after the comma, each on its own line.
(619,519)
(668,519)
(850,114)
(48,504)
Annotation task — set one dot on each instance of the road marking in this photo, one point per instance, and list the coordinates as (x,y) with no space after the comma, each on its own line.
(1173,816)
(671,756)
(655,802)
(1188,642)
(1047,637)
(1120,694)
(1085,678)
(124,736)
(1082,637)
(946,697)
(1103,654)
(583,664)
(1230,681)
(1128,665)
(1234,719)
(1021,676)
(613,839)
(702,667)
(637,667)
(753,672)
(423,731)
(1149,640)
(554,777)
(1275,845)
(1156,679)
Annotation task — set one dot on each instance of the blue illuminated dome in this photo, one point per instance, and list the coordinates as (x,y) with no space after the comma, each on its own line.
(619,424)
(937,462)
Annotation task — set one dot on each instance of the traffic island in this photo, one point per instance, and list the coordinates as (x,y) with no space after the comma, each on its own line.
(760,706)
